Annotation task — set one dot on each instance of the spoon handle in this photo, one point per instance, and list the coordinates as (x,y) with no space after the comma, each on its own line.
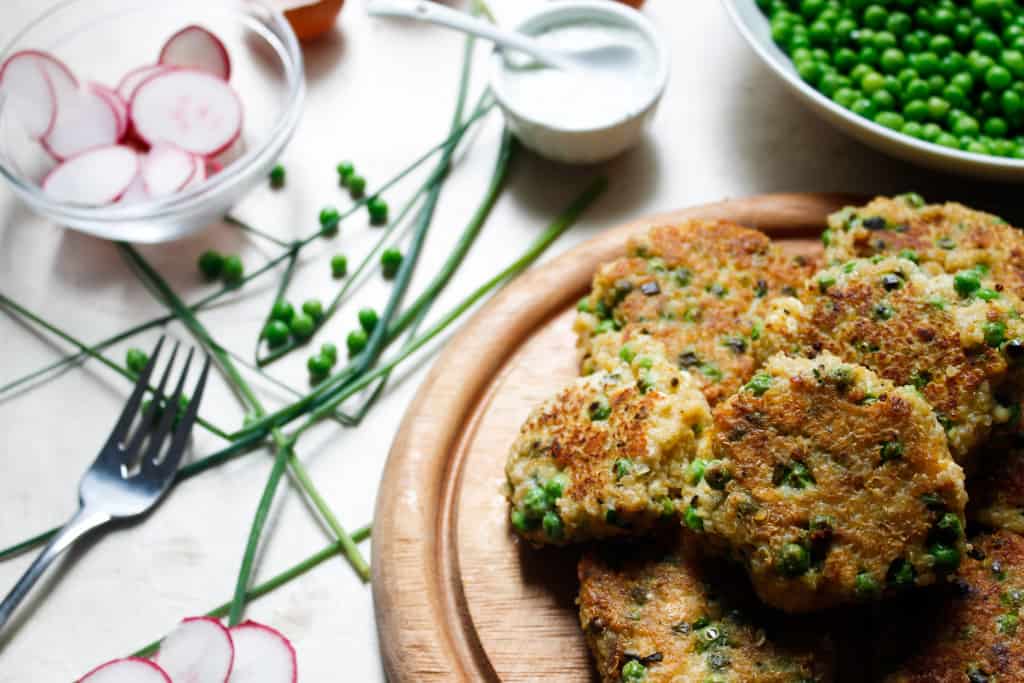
(435,13)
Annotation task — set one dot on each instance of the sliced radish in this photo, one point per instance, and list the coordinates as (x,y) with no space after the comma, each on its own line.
(134,78)
(85,121)
(191,109)
(25,84)
(129,670)
(193,47)
(95,177)
(198,651)
(135,192)
(119,106)
(166,169)
(262,655)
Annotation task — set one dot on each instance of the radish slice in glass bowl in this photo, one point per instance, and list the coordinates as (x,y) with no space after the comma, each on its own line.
(120,92)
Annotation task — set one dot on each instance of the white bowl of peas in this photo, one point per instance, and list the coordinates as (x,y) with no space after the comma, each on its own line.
(939,84)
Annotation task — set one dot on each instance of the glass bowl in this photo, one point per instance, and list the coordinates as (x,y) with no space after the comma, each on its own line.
(101,40)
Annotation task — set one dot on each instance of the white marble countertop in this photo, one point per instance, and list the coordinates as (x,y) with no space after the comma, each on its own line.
(379,94)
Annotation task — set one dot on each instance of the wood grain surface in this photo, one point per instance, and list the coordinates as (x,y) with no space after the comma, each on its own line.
(457,596)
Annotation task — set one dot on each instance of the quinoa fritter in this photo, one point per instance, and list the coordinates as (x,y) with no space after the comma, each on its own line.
(952,337)
(943,238)
(969,632)
(697,287)
(664,615)
(997,492)
(608,455)
(830,485)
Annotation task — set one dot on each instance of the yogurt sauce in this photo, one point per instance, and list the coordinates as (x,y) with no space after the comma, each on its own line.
(582,99)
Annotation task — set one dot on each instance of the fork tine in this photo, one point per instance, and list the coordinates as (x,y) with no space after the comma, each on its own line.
(154,406)
(169,464)
(156,438)
(131,408)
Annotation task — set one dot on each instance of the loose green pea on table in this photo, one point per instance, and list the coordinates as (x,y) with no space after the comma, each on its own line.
(944,72)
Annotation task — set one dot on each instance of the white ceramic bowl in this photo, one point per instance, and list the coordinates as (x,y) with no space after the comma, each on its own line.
(756,30)
(92,36)
(576,145)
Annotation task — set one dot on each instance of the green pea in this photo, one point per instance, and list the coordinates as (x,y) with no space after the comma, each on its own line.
(283,311)
(918,89)
(136,360)
(600,409)
(329,220)
(556,486)
(233,270)
(339,266)
(949,528)
(346,170)
(276,333)
(622,467)
(998,77)
(313,308)
(845,59)
(872,82)
(356,342)
(988,43)
(552,525)
(945,557)
(695,471)
(633,672)
(866,586)
(302,326)
(330,352)
(211,264)
(627,354)
(693,520)
(892,60)
(759,383)
(356,186)
(319,366)
(520,522)
(995,127)
(916,110)
(277,176)
(368,319)
(899,23)
(966,282)
(793,560)
(390,261)
(535,502)
(875,16)
(901,574)
(378,210)
(995,332)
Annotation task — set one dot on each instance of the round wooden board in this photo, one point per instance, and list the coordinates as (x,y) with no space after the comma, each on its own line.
(457,596)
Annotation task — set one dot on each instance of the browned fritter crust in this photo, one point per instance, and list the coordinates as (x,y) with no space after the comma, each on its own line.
(698,287)
(606,456)
(831,486)
(997,491)
(945,237)
(969,633)
(683,618)
(914,329)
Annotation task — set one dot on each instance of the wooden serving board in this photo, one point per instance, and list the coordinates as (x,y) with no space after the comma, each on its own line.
(457,595)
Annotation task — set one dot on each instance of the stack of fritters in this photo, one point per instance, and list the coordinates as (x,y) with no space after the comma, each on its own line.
(807,424)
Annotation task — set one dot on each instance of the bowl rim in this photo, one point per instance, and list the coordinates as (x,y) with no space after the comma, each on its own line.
(784,69)
(193,199)
(627,15)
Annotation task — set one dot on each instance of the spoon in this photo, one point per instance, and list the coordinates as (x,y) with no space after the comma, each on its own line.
(602,56)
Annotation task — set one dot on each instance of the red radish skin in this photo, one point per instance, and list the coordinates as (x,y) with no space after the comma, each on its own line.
(191,109)
(193,47)
(131,80)
(26,85)
(117,104)
(199,650)
(128,670)
(63,83)
(85,121)
(262,655)
(166,169)
(94,177)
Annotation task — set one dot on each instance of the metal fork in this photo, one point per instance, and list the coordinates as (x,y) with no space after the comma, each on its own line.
(124,481)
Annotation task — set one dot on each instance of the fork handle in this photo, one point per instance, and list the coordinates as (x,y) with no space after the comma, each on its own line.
(80,524)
